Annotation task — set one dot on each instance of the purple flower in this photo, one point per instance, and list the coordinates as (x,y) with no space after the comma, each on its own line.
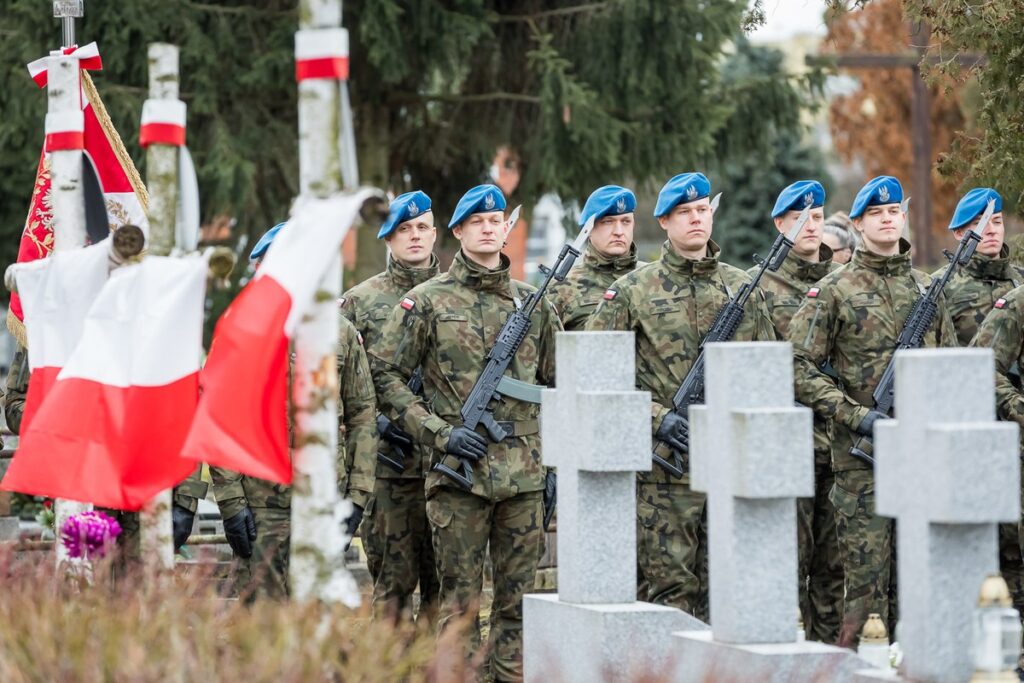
(89,534)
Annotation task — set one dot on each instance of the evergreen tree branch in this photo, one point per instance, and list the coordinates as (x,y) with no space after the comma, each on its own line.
(588,8)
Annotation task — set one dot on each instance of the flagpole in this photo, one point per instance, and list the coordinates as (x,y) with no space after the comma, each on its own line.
(64,121)
(156,540)
(317,570)
(67,11)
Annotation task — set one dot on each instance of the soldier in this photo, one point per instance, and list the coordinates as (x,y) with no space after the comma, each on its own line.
(852,318)
(395,532)
(257,513)
(446,326)
(670,304)
(610,254)
(821,571)
(971,294)
(839,237)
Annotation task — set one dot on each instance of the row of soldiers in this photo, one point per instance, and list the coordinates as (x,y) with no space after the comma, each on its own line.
(413,341)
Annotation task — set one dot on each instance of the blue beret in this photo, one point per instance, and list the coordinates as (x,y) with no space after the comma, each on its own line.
(973,205)
(682,189)
(796,197)
(881,190)
(610,200)
(264,243)
(480,199)
(404,207)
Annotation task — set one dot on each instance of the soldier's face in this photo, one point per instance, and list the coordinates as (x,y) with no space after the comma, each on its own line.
(809,240)
(481,233)
(688,226)
(412,242)
(991,237)
(881,227)
(612,235)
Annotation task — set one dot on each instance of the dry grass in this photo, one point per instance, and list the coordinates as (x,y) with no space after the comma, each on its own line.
(178,629)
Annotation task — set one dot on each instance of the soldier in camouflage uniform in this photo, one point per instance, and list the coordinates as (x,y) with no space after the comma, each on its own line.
(821,569)
(446,326)
(670,305)
(257,513)
(395,532)
(610,254)
(186,496)
(971,294)
(852,318)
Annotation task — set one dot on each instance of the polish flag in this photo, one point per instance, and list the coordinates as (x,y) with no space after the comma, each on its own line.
(57,293)
(242,419)
(111,428)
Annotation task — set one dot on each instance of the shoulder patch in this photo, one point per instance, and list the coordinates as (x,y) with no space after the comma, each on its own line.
(1001,303)
(408,304)
(813,292)
(610,294)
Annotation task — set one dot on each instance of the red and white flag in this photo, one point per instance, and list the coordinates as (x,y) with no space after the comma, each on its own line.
(56,294)
(111,428)
(241,422)
(122,188)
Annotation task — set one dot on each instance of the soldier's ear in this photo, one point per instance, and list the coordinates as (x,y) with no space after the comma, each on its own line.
(778,224)
(663,222)
(457,232)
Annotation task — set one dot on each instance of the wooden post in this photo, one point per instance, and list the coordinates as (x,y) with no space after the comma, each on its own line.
(921,142)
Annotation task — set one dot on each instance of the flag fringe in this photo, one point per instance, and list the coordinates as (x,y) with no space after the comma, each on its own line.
(115,141)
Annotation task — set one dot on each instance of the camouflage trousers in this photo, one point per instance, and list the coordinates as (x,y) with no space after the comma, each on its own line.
(265,574)
(866,543)
(462,525)
(672,541)
(1011,565)
(821,565)
(129,549)
(399,552)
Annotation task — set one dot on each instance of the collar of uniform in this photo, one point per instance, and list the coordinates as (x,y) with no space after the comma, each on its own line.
(406,278)
(884,265)
(987,268)
(624,264)
(796,268)
(471,274)
(686,266)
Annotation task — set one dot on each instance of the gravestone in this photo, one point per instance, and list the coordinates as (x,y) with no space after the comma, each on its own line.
(948,473)
(596,429)
(752,453)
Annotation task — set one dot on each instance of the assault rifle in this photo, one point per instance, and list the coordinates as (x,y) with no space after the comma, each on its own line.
(920,320)
(492,381)
(691,391)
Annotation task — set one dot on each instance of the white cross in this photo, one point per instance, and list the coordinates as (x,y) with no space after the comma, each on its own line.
(948,473)
(751,451)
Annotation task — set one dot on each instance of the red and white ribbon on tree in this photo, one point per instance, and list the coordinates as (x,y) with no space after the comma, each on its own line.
(88,58)
(65,130)
(321,54)
(163,123)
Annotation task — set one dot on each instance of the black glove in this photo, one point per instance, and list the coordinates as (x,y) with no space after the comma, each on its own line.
(181,524)
(465,443)
(387,431)
(352,523)
(867,424)
(241,532)
(550,497)
(675,431)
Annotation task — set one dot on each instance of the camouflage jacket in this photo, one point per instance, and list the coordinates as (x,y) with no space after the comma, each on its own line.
(670,305)
(852,318)
(446,326)
(186,494)
(784,291)
(1002,330)
(973,290)
(357,441)
(367,306)
(577,297)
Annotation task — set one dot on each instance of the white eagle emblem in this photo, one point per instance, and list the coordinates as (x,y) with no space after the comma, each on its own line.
(691,193)
(489,202)
(883,194)
(621,204)
(809,199)
(413,210)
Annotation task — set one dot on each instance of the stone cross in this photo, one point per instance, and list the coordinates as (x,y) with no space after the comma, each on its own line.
(948,473)
(596,429)
(751,451)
